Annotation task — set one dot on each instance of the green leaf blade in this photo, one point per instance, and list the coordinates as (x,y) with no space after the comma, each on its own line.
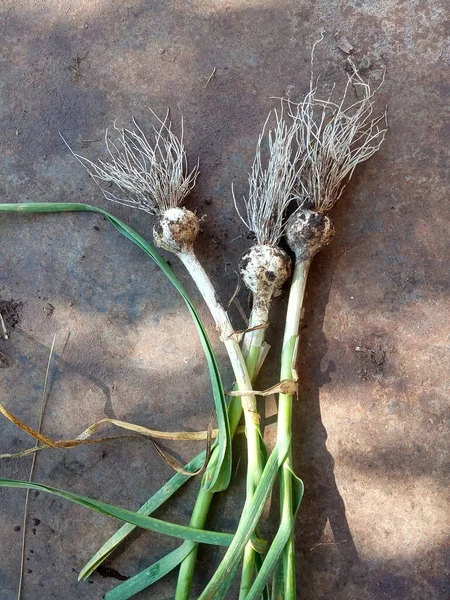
(138,519)
(157,500)
(219,474)
(151,575)
(272,559)
(247,524)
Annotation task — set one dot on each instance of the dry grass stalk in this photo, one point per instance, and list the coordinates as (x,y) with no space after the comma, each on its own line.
(33,463)
(84,438)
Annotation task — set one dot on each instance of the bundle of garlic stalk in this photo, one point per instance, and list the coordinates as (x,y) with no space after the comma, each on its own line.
(333,138)
(264,268)
(152,177)
(309,162)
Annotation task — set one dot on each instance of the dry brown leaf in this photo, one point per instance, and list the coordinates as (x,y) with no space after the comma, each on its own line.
(287,386)
(83,439)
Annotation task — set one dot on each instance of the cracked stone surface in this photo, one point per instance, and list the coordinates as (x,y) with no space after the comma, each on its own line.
(372,421)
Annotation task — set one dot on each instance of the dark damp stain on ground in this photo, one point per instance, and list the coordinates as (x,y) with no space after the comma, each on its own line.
(10,311)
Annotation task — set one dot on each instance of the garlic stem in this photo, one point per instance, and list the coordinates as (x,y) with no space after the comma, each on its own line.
(243,381)
(204,498)
(285,402)
(264,269)
(283,541)
(255,338)
(223,324)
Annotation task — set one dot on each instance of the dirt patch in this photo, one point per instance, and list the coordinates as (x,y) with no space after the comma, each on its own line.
(49,309)
(10,311)
(3,361)
(370,362)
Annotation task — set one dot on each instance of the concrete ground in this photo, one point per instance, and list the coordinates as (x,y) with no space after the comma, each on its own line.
(372,420)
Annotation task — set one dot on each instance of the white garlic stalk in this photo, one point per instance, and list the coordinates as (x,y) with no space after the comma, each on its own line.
(152,177)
